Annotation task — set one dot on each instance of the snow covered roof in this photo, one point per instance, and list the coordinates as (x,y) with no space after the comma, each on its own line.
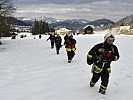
(87,26)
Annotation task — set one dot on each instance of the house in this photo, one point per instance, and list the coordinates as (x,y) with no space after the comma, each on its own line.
(62,31)
(88,29)
(23,28)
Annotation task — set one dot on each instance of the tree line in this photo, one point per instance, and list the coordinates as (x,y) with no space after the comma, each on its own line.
(7,21)
(40,27)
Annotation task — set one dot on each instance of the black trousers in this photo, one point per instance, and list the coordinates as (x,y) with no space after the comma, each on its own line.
(52,44)
(70,54)
(58,46)
(104,77)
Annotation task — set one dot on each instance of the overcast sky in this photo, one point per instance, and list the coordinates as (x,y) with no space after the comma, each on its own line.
(75,9)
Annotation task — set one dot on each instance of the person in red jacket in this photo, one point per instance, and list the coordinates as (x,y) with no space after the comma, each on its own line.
(70,47)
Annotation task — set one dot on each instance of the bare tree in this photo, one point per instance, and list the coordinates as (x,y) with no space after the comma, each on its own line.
(6,11)
(6,8)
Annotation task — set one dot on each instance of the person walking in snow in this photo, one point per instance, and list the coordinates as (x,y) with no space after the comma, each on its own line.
(70,47)
(65,37)
(101,56)
(52,39)
(58,45)
(40,36)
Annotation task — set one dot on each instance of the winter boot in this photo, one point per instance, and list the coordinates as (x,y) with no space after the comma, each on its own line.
(92,84)
(57,52)
(69,61)
(102,91)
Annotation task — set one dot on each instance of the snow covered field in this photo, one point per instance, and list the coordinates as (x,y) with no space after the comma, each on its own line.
(31,70)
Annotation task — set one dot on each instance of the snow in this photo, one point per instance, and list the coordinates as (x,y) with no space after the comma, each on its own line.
(23,33)
(117,30)
(31,70)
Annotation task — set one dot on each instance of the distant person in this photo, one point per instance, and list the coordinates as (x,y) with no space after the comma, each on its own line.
(101,56)
(70,47)
(13,35)
(40,36)
(58,45)
(52,39)
(65,37)
(22,36)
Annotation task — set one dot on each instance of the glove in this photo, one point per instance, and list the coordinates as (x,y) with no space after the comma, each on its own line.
(89,61)
(113,58)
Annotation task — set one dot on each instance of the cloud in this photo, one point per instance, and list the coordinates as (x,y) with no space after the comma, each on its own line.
(67,9)
(55,1)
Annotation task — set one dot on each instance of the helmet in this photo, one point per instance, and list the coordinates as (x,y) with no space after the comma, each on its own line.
(109,35)
(70,35)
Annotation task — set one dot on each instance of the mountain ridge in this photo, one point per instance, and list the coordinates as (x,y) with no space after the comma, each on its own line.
(68,23)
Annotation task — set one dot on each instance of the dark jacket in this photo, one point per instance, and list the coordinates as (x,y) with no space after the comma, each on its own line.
(103,53)
(52,38)
(58,40)
(40,36)
(66,36)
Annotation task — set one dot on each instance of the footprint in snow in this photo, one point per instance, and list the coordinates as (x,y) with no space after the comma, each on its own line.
(101,98)
(129,76)
(115,83)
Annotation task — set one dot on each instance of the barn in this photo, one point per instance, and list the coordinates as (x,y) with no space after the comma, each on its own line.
(88,29)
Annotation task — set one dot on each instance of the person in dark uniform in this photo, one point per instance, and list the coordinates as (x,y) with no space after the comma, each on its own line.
(40,36)
(52,39)
(65,37)
(101,56)
(58,45)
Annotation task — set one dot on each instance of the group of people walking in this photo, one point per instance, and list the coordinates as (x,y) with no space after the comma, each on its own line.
(69,43)
(100,57)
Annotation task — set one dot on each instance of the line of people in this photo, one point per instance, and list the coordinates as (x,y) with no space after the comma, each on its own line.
(69,43)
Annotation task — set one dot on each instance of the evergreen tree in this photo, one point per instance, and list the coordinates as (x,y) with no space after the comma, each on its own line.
(35,28)
(40,27)
(47,29)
